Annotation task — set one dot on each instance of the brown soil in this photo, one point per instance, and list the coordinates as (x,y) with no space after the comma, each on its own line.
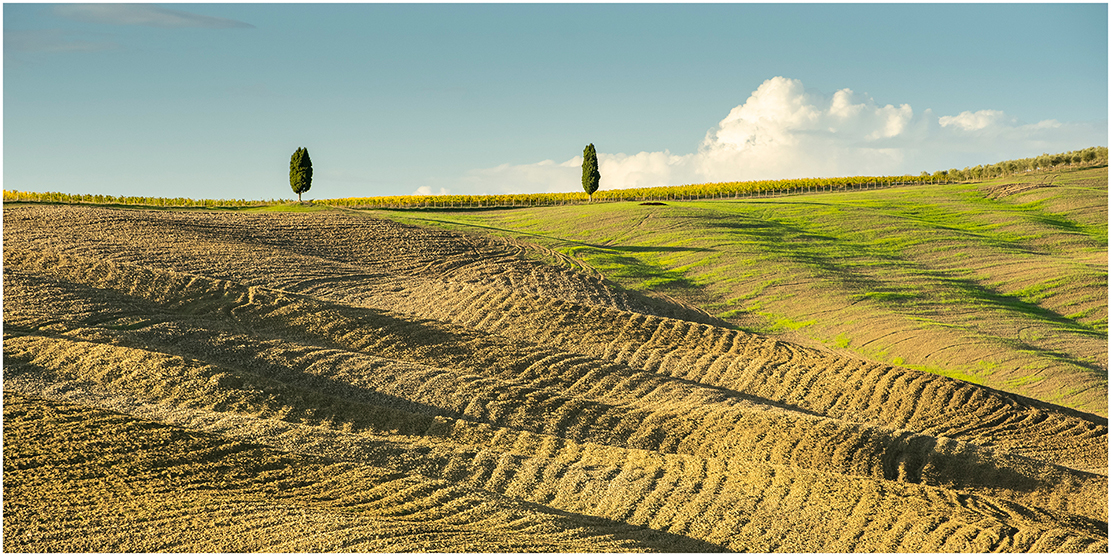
(998,191)
(330,382)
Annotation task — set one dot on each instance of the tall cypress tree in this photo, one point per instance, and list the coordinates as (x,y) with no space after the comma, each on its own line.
(300,172)
(591,176)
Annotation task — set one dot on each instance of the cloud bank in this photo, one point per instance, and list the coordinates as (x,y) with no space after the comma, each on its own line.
(785,131)
(143,14)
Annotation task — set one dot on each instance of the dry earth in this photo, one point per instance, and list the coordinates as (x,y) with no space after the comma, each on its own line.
(1002,283)
(202,381)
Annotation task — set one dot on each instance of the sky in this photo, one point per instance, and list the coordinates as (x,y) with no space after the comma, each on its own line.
(211,100)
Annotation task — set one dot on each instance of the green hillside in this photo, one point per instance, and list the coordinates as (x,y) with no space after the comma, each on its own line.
(1002,283)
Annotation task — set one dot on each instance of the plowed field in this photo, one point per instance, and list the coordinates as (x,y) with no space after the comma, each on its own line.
(1002,283)
(328,381)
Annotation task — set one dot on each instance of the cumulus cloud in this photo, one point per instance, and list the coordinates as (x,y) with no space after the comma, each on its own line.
(784,130)
(974,121)
(427,190)
(143,14)
(621,171)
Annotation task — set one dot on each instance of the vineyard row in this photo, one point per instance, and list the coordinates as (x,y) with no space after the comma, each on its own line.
(1092,156)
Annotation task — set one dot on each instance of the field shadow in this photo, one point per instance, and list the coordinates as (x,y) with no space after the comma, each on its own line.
(982,295)
(242,377)
(806,248)
(815,251)
(1047,407)
(446,209)
(1059,222)
(908,458)
(623,256)
(644,248)
(210,334)
(648,537)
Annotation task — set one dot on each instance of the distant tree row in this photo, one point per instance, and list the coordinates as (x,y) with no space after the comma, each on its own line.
(11,196)
(1091,156)
(731,190)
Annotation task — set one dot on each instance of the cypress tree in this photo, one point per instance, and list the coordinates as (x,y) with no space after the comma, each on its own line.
(300,172)
(591,176)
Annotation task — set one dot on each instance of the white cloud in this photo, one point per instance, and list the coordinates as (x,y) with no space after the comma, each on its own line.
(786,131)
(621,171)
(427,190)
(973,121)
(143,14)
(542,177)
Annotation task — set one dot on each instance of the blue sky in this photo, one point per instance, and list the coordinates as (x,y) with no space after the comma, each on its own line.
(210,100)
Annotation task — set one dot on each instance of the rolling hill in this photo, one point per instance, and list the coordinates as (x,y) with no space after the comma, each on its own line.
(1001,283)
(340,381)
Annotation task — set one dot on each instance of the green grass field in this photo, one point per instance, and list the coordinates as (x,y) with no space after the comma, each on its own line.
(1001,283)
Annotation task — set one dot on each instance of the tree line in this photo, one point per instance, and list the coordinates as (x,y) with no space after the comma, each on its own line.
(12,196)
(1092,156)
